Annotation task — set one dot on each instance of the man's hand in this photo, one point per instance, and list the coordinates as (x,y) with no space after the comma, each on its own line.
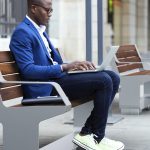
(78,65)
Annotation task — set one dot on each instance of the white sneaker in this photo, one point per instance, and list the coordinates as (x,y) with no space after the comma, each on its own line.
(87,142)
(108,144)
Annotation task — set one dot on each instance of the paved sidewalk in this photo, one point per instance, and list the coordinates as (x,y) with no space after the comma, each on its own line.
(133,130)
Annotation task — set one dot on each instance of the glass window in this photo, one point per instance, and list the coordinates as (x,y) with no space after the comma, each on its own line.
(11,13)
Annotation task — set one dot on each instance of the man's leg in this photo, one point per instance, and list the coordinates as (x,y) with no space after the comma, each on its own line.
(116,82)
(103,87)
(100,86)
(102,100)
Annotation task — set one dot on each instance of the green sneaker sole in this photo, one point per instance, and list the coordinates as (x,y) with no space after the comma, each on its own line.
(78,143)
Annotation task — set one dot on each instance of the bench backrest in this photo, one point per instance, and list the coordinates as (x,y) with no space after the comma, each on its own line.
(9,72)
(128,53)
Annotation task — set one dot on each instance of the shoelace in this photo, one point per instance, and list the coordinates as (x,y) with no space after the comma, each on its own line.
(104,140)
(93,135)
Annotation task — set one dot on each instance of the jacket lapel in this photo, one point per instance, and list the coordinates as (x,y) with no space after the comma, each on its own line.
(27,21)
(55,53)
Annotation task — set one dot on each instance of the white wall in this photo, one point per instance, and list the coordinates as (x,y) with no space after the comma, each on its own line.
(68,27)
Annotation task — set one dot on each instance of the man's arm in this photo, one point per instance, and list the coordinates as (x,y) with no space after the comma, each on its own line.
(21,46)
(78,65)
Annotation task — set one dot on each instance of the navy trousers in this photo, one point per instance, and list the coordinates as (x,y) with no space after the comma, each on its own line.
(102,87)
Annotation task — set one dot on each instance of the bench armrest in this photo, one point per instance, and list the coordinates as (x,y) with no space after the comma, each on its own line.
(54,84)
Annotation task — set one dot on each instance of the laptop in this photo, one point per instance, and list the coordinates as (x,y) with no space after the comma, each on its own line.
(105,63)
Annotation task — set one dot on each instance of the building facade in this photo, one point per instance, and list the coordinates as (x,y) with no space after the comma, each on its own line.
(131,25)
(124,22)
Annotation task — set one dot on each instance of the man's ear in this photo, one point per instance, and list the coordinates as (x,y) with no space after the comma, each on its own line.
(33,9)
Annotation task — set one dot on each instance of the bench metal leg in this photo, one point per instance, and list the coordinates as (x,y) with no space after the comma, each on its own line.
(85,110)
(113,118)
(21,126)
(146,88)
(129,98)
(20,134)
(131,111)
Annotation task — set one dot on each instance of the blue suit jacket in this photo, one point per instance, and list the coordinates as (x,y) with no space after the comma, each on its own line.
(33,59)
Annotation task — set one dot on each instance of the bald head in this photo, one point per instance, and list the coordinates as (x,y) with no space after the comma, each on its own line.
(40,11)
(31,2)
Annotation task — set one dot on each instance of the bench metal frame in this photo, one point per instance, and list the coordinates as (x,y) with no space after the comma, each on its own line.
(130,100)
(21,124)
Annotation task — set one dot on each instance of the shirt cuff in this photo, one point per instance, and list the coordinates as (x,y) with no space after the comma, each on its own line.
(61,68)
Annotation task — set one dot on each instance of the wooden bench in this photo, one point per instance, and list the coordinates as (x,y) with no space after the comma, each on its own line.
(131,68)
(21,123)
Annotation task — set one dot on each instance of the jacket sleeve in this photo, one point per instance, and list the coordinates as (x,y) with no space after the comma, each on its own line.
(22,47)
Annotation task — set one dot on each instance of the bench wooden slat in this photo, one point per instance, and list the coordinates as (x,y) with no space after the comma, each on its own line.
(125,68)
(130,59)
(11,93)
(126,54)
(8,68)
(10,77)
(10,72)
(6,56)
(127,48)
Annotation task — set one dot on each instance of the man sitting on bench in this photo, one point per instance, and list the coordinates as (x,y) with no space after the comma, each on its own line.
(38,60)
